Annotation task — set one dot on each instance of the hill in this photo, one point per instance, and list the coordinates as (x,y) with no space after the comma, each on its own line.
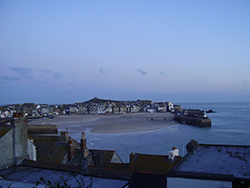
(97,100)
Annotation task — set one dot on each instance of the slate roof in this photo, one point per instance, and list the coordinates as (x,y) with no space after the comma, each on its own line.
(102,158)
(4,129)
(49,149)
(158,164)
(217,160)
(77,158)
(30,175)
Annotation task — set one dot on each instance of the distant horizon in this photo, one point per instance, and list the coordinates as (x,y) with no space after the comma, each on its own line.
(120,99)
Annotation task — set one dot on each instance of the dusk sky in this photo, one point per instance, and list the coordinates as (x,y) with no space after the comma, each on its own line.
(71,51)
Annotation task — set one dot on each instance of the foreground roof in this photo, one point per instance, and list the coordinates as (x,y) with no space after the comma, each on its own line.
(229,160)
(49,149)
(23,176)
(158,164)
(103,158)
(4,129)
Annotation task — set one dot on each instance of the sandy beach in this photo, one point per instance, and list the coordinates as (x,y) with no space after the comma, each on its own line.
(109,124)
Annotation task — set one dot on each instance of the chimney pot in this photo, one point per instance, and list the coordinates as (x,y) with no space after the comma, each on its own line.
(131,156)
(64,137)
(70,149)
(85,152)
(83,135)
(83,143)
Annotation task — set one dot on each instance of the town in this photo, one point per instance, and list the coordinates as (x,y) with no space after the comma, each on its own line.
(93,106)
(97,106)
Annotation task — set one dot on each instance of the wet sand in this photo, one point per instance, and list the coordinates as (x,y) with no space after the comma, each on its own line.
(109,124)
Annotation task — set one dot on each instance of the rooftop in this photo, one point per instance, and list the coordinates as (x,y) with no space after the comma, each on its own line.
(23,176)
(218,159)
(157,164)
(49,148)
(4,129)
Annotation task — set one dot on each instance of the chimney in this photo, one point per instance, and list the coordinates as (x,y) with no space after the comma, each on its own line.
(84,149)
(64,137)
(131,156)
(83,141)
(85,152)
(70,149)
(172,153)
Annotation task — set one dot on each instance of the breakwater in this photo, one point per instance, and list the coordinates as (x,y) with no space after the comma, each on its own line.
(193,117)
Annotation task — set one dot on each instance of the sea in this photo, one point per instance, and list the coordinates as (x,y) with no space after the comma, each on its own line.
(230,126)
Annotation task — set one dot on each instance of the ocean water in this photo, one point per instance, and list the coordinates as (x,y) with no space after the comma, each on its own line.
(230,125)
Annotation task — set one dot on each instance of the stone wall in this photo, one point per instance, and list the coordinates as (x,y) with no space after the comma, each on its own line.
(21,136)
(15,145)
(31,150)
(7,152)
(42,129)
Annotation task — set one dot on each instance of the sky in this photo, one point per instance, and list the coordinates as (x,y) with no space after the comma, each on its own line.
(71,51)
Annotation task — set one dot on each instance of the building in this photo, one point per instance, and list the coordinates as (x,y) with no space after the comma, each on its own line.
(150,171)
(177,108)
(54,149)
(15,146)
(207,165)
(170,107)
(162,107)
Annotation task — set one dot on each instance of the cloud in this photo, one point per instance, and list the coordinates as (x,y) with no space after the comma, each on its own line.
(142,72)
(162,73)
(46,71)
(9,78)
(101,71)
(22,71)
(58,75)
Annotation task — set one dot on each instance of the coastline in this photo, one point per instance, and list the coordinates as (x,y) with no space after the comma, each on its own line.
(110,124)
